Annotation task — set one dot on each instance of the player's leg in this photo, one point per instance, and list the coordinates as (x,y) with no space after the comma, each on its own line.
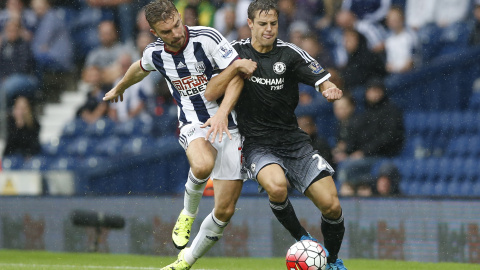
(211,230)
(272,178)
(201,156)
(226,194)
(323,194)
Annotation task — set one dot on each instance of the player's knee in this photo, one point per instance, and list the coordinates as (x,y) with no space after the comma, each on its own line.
(224,213)
(277,193)
(202,170)
(333,210)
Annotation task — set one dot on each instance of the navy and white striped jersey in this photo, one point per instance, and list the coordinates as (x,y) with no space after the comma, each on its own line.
(188,71)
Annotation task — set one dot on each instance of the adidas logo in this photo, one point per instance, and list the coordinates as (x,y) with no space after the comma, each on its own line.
(181,65)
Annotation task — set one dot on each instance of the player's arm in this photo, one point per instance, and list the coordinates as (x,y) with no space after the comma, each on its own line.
(330,91)
(219,122)
(134,74)
(217,86)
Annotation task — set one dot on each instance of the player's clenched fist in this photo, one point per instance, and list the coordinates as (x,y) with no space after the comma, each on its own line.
(332,94)
(246,66)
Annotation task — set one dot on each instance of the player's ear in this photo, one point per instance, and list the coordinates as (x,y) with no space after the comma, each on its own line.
(250,23)
(153,32)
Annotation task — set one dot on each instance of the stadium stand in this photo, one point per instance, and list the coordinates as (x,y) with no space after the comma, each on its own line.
(440,98)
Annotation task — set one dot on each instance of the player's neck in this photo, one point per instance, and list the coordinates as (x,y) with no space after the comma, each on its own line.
(261,48)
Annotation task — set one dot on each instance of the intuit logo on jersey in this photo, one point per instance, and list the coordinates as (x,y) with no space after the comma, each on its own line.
(275,84)
(191,85)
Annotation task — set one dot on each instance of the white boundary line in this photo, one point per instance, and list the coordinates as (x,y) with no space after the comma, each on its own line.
(33,266)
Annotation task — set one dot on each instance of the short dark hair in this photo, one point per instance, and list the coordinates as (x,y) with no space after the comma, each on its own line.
(159,10)
(263,6)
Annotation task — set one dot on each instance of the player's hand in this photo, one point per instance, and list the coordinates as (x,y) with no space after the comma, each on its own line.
(218,124)
(332,94)
(113,95)
(246,67)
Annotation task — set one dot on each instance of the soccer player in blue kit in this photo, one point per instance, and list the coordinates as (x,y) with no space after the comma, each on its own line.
(277,152)
(188,57)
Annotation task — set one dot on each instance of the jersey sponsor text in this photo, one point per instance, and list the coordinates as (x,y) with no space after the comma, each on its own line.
(275,83)
(191,85)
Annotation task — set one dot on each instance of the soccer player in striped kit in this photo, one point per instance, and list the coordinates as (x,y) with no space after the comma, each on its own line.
(276,151)
(188,57)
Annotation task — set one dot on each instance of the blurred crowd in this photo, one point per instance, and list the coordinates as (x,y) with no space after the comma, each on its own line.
(359,42)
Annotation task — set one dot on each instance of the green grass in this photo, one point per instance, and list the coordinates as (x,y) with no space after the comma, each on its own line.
(39,260)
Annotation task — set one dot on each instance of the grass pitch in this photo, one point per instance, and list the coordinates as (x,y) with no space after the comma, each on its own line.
(40,260)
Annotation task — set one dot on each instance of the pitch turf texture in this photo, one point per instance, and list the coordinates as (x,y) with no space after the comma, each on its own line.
(26,260)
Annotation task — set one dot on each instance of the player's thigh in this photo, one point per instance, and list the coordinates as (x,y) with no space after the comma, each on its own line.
(200,152)
(323,193)
(228,163)
(226,193)
(272,178)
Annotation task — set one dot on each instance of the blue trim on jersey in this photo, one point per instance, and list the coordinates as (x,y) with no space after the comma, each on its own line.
(206,32)
(158,62)
(201,56)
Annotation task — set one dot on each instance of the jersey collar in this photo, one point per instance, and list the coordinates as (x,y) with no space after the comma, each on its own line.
(184,45)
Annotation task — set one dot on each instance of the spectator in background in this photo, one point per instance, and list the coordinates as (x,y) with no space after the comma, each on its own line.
(125,12)
(373,11)
(296,32)
(307,123)
(135,98)
(226,17)
(388,181)
(52,46)
(190,16)
(94,108)
(105,56)
(205,10)
(22,130)
(344,111)
(362,64)
(231,16)
(329,10)
(440,12)
(244,32)
(142,23)
(475,35)
(16,65)
(15,10)
(379,133)
(400,45)
(291,12)
(315,49)
(374,33)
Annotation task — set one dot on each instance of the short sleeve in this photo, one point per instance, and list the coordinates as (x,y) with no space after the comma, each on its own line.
(146,63)
(307,69)
(221,50)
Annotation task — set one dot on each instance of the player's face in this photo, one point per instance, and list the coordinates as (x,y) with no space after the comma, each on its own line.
(264,30)
(171,32)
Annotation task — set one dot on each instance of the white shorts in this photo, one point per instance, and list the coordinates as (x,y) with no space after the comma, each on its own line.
(228,163)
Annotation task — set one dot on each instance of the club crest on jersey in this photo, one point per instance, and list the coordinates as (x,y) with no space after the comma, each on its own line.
(315,67)
(279,68)
(225,51)
(200,67)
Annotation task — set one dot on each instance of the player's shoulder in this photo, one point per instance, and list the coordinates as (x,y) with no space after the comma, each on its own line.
(157,45)
(205,34)
(293,50)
